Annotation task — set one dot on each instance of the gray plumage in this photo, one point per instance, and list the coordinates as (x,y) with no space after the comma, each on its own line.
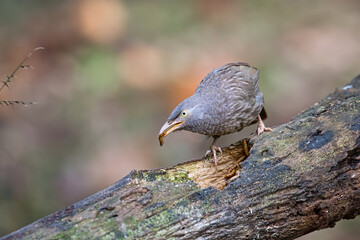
(227,100)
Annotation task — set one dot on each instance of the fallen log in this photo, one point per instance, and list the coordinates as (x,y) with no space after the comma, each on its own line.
(303,176)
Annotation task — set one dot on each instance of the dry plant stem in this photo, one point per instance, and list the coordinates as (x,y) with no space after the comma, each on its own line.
(21,65)
(303,176)
(12,75)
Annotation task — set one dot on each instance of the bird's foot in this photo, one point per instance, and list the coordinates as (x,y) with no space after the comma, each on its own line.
(213,149)
(261,127)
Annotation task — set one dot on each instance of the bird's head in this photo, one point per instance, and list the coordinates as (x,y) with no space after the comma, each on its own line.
(184,117)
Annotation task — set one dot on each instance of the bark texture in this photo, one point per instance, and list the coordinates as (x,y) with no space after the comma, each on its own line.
(303,176)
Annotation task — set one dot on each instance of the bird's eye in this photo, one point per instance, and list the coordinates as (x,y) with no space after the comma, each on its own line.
(184,114)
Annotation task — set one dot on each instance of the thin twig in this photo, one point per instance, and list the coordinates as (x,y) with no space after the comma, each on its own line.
(21,65)
(16,102)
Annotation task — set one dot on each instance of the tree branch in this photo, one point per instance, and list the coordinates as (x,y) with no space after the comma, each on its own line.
(303,176)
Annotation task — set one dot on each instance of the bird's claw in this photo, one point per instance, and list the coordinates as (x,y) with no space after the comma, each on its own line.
(218,149)
(213,149)
(262,129)
(208,152)
(261,126)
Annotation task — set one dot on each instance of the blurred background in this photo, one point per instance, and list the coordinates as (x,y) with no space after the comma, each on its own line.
(112,71)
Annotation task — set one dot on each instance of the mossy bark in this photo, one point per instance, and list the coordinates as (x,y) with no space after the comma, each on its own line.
(303,176)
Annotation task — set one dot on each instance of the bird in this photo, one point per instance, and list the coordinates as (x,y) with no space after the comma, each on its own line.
(226,100)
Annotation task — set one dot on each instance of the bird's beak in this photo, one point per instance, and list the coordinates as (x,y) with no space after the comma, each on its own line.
(167,129)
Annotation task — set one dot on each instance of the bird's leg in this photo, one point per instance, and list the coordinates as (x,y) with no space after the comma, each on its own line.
(261,126)
(214,148)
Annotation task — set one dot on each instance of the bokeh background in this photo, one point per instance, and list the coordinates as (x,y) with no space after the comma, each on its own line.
(112,71)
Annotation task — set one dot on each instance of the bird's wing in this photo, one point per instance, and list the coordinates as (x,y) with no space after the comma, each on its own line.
(239,79)
(233,91)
